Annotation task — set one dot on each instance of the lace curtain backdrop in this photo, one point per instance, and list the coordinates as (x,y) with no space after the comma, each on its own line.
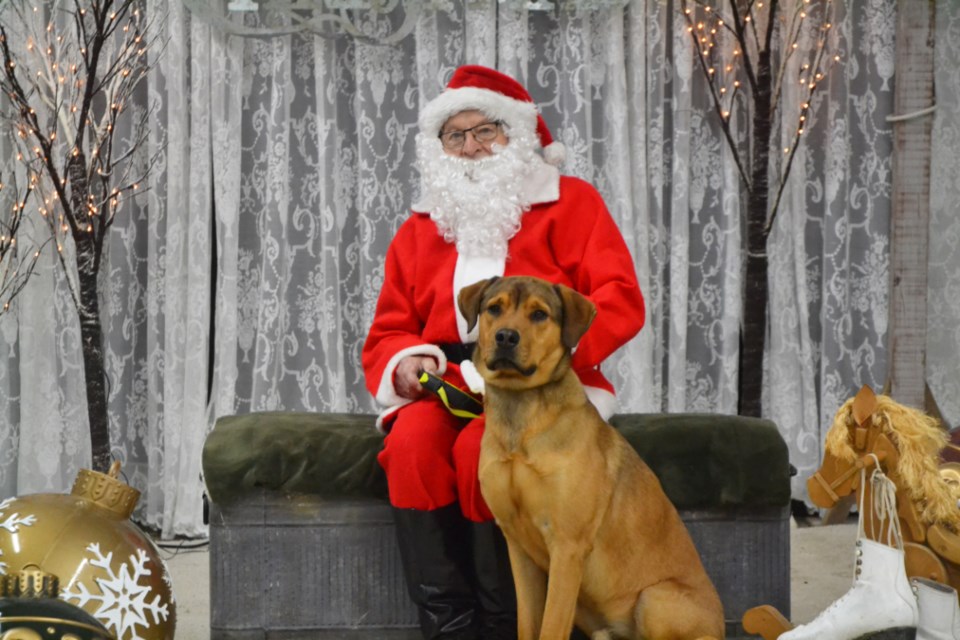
(943,304)
(246,278)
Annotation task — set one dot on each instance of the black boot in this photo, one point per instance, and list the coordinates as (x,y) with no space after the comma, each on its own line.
(434,546)
(496,593)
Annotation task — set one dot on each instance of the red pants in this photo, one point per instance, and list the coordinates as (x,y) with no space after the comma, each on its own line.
(431,459)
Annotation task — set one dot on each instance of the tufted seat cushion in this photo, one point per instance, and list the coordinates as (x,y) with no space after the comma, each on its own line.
(702,460)
(709,461)
(328,454)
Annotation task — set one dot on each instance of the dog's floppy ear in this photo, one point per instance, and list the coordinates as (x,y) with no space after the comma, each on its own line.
(469,300)
(578,313)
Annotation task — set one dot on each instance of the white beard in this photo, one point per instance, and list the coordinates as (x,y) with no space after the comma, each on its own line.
(476,204)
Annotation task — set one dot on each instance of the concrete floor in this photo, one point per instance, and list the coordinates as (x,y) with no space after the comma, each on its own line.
(821,571)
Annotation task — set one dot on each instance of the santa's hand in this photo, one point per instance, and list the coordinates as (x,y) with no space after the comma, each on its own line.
(406,378)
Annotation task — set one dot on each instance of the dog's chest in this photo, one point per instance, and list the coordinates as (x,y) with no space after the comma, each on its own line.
(519,496)
(511,480)
(529,492)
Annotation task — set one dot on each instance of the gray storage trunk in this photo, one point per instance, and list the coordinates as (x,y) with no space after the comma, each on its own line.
(301,566)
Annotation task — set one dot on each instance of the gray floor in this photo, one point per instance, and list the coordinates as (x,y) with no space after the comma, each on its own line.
(821,571)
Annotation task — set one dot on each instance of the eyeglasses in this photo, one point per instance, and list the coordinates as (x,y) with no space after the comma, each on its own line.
(482,133)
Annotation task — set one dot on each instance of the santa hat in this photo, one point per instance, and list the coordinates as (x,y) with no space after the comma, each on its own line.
(499,97)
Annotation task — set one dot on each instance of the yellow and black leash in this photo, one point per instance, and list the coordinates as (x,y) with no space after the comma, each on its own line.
(459,402)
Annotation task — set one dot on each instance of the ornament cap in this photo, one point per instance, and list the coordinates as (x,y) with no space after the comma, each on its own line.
(106,490)
(30,582)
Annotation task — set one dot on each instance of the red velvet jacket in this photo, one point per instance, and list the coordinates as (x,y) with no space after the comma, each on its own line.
(570,240)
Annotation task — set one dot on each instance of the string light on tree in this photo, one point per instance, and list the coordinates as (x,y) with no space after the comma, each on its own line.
(69,80)
(749,54)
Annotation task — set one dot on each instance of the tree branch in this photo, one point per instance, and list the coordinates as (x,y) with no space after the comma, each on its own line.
(716,100)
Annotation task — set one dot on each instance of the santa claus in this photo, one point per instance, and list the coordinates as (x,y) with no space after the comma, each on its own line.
(490,205)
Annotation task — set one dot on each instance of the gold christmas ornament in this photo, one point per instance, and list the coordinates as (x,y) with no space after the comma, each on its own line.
(107,566)
(31,610)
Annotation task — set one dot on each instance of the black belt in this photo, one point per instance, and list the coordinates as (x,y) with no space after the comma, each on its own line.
(457,352)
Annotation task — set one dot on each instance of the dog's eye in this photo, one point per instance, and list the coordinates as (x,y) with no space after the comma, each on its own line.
(494,310)
(539,315)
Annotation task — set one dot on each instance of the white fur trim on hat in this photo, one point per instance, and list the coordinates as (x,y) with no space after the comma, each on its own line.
(515,114)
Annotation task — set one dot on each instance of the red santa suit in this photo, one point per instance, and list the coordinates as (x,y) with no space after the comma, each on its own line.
(567,236)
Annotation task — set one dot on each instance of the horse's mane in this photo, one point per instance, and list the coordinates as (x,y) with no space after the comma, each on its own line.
(919,438)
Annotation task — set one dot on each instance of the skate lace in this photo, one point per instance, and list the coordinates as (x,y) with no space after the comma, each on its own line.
(883,505)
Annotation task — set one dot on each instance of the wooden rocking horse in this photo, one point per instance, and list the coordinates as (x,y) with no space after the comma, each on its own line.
(868,430)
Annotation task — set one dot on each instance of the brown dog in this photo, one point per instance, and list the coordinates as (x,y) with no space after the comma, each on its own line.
(573,498)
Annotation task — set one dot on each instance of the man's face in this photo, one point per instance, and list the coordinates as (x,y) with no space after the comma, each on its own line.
(475,129)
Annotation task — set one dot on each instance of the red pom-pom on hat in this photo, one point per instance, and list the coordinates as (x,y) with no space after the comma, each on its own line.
(498,96)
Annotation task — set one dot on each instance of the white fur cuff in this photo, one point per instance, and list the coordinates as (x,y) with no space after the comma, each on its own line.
(472,377)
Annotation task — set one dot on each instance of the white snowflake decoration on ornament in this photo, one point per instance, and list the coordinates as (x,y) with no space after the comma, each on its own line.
(123,600)
(12,524)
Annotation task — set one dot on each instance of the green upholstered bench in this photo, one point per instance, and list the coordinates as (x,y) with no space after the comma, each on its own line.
(301,535)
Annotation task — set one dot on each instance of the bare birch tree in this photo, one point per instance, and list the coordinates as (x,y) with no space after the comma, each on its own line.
(747,50)
(70,69)
(19,251)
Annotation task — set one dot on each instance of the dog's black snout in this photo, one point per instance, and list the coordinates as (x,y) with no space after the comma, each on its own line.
(507,338)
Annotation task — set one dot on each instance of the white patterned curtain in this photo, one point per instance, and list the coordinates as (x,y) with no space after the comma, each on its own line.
(943,303)
(829,251)
(247,279)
